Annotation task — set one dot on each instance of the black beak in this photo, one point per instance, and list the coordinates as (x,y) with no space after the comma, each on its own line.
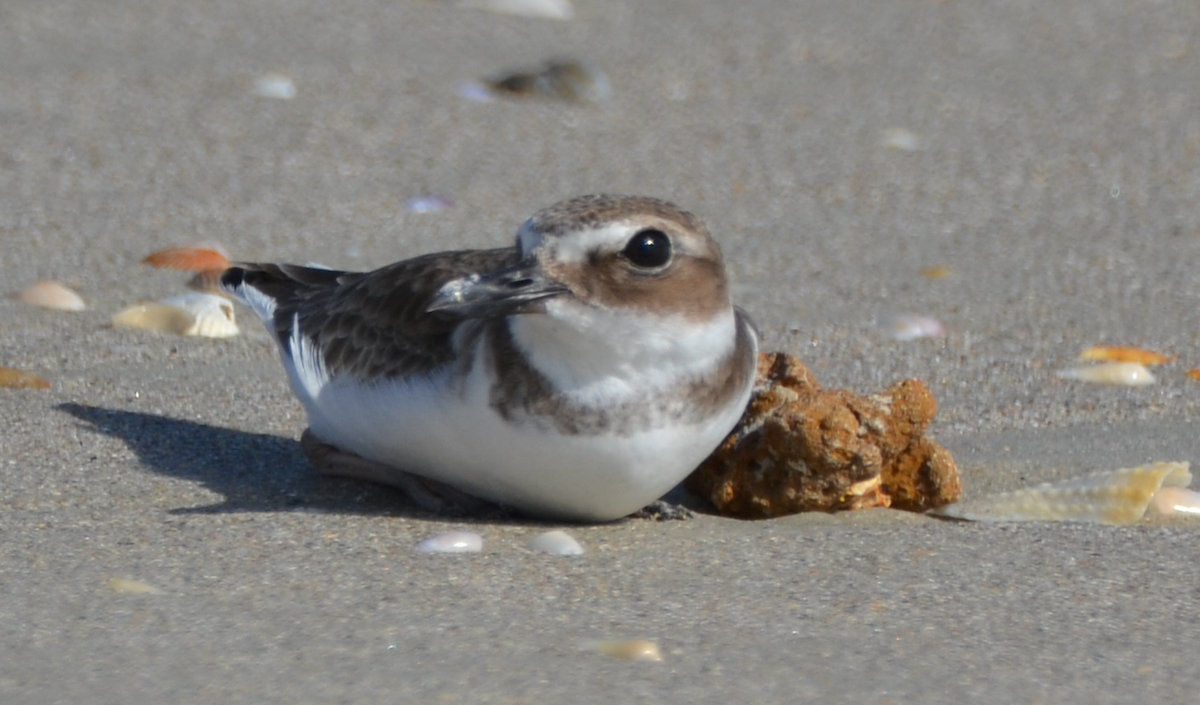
(515,289)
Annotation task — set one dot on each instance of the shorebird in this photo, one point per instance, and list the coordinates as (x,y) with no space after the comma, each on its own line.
(578,375)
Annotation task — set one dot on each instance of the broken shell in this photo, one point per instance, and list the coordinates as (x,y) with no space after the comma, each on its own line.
(48,293)
(452,542)
(1175,501)
(549,9)
(558,542)
(1116,497)
(1125,374)
(136,587)
(189,259)
(911,326)
(12,378)
(566,79)
(203,315)
(1104,353)
(628,649)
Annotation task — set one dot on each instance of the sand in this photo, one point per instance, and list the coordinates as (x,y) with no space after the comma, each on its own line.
(1056,179)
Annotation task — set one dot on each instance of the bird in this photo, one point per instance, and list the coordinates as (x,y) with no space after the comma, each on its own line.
(577,375)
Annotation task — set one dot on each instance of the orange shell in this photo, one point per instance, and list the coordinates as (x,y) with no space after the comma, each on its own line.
(189,259)
(1116,354)
(20,379)
(1194,374)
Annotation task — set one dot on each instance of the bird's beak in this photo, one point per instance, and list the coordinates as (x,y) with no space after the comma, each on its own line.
(516,289)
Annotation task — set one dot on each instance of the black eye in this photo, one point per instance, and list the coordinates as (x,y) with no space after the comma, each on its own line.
(649,249)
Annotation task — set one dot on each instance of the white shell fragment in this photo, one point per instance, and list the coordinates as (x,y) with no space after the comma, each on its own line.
(1125,374)
(50,294)
(548,9)
(275,85)
(900,139)
(1175,501)
(1117,497)
(136,587)
(627,649)
(452,542)
(558,542)
(912,326)
(196,314)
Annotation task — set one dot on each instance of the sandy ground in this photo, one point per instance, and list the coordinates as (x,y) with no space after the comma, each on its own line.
(1057,180)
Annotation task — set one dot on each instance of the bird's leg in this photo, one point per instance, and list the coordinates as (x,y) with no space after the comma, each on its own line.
(428,494)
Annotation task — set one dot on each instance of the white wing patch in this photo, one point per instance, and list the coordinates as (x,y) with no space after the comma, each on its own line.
(308,368)
(260,303)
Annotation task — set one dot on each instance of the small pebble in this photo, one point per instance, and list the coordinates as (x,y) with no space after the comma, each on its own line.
(429,204)
(557,542)
(452,542)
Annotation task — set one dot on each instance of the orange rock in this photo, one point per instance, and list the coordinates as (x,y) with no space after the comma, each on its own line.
(800,448)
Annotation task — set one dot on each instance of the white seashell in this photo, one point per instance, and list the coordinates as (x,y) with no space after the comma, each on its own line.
(557,542)
(549,9)
(452,542)
(275,85)
(1176,501)
(431,203)
(136,587)
(912,326)
(48,293)
(901,139)
(1126,374)
(627,649)
(1116,497)
(196,314)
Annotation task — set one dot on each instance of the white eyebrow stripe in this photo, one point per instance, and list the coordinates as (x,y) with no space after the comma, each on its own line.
(576,247)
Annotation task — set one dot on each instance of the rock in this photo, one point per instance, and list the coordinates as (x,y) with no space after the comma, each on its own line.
(800,448)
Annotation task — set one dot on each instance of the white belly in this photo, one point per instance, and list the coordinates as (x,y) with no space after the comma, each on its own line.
(434,428)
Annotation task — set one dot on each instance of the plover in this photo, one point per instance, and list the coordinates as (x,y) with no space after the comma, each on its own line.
(579,375)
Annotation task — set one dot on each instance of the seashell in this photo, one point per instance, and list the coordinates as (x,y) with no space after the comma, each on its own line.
(429,204)
(1175,501)
(627,649)
(1194,374)
(452,542)
(912,326)
(203,315)
(136,587)
(275,85)
(1125,374)
(1104,353)
(936,272)
(900,139)
(558,542)
(565,79)
(1116,497)
(548,9)
(12,378)
(189,259)
(48,293)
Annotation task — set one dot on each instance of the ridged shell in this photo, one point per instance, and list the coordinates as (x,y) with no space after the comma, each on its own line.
(1117,497)
(203,315)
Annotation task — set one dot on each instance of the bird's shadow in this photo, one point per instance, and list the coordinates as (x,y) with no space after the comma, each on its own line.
(251,471)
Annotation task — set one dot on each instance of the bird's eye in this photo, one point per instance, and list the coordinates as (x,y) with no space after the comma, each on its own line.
(648,249)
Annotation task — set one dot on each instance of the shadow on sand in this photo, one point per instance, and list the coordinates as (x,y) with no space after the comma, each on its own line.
(252,471)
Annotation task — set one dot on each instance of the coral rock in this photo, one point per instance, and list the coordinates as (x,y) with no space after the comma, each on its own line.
(801,448)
